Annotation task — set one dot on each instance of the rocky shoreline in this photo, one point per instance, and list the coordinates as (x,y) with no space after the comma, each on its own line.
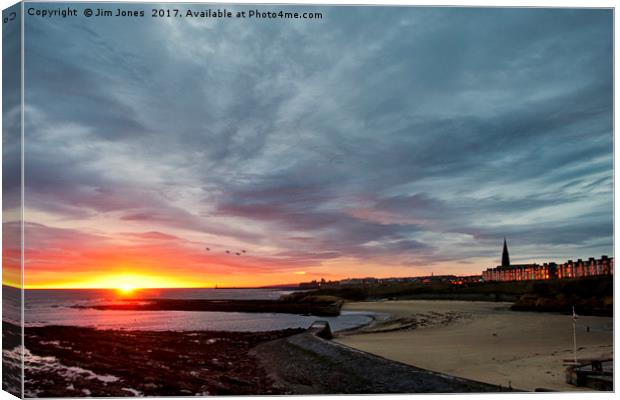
(63,361)
(11,358)
(544,303)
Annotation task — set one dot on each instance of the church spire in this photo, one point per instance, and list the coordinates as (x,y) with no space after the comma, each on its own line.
(505,257)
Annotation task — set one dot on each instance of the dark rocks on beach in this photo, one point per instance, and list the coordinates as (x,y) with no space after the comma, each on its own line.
(588,296)
(11,358)
(11,335)
(90,362)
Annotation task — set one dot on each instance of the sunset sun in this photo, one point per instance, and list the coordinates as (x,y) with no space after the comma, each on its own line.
(126,288)
(128,283)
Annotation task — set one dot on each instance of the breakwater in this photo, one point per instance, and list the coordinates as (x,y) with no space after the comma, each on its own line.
(309,363)
(316,306)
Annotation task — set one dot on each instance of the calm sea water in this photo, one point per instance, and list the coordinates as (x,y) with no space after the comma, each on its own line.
(54,307)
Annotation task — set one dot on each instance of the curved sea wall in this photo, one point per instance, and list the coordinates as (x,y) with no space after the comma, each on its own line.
(309,363)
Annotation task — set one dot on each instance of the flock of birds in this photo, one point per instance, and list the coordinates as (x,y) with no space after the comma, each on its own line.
(237,253)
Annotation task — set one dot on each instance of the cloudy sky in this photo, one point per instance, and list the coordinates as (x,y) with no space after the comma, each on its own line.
(372,142)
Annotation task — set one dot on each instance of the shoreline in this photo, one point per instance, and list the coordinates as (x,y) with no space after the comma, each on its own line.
(394,322)
(65,361)
(455,342)
(310,363)
(483,341)
(68,361)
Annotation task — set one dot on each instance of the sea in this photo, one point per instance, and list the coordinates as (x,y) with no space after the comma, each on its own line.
(56,307)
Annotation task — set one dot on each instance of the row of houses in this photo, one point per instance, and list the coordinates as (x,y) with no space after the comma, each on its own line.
(568,270)
(580,268)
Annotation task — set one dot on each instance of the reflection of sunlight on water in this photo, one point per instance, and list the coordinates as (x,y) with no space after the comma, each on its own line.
(192,320)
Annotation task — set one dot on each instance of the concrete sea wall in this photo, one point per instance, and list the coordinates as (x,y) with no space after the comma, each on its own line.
(309,363)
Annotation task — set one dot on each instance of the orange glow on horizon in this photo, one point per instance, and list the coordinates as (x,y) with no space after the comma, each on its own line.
(127,269)
(69,259)
(124,283)
(126,289)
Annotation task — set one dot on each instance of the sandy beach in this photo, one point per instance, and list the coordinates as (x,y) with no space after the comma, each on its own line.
(483,341)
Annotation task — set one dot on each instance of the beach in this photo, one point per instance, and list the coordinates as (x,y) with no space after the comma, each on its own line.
(439,346)
(483,341)
(65,361)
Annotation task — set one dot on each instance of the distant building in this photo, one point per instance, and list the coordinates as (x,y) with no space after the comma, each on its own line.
(460,280)
(359,281)
(580,268)
(526,272)
(520,272)
(318,284)
(505,256)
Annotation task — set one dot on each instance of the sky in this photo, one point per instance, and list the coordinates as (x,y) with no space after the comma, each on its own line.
(372,142)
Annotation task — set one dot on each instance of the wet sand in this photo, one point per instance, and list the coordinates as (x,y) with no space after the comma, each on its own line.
(483,341)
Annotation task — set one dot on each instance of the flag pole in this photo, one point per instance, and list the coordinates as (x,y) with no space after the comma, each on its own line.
(574,335)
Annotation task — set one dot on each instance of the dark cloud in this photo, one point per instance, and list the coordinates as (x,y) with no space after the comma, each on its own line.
(152,235)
